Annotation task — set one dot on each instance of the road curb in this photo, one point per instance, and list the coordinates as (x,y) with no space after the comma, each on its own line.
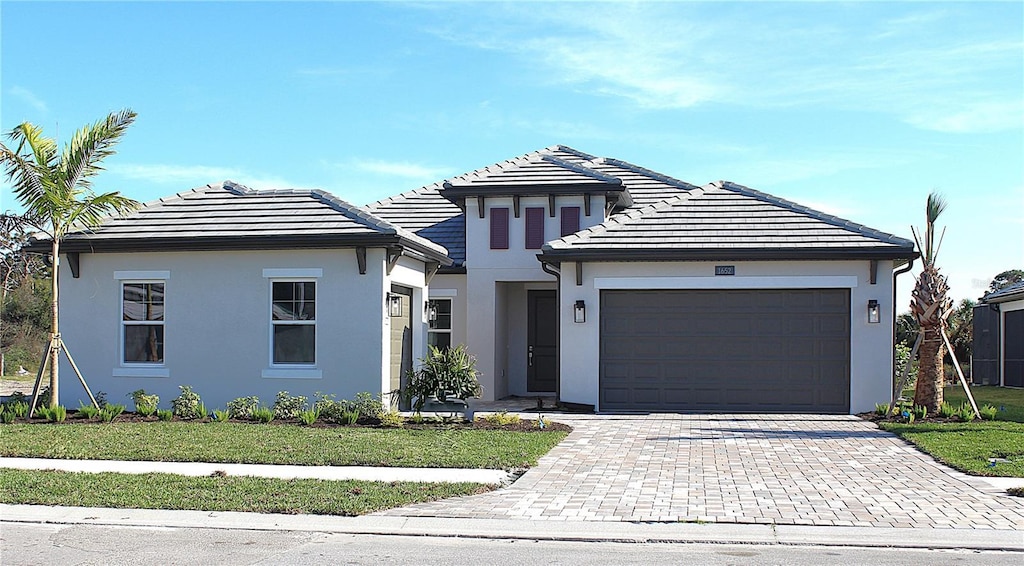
(515,529)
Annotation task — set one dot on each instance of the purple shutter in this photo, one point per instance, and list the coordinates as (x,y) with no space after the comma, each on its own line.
(499,228)
(534,228)
(570,220)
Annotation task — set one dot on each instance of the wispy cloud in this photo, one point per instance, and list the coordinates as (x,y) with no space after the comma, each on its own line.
(187,176)
(404,169)
(28,97)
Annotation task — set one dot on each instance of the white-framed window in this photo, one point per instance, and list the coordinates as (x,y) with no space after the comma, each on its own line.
(293,322)
(439,319)
(142,322)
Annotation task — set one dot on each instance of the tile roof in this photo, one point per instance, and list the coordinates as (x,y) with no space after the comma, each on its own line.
(228,215)
(726,220)
(1008,293)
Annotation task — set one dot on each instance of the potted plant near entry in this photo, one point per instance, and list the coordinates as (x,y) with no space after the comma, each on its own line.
(445,381)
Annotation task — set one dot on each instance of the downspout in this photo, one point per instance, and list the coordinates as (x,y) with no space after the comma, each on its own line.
(552,269)
(898,272)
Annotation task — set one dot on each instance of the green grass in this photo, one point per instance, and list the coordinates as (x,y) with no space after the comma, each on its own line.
(261,495)
(969,446)
(278,444)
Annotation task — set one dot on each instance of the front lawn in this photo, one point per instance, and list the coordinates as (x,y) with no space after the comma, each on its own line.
(970,446)
(260,495)
(252,443)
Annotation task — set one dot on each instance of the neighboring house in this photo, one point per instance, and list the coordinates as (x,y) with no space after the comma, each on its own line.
(998,338)
(609,285)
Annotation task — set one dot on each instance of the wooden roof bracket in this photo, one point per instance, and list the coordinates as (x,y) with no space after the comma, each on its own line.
(394,254)
(74,262)
(430,270)
(361,259)
(481,205)
(551,205)
(579,273)
(874,271)
(515,205)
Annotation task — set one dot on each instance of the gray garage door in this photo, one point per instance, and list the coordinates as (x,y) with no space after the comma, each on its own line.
(771,350)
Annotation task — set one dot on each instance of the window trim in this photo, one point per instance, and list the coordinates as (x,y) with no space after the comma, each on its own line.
(298,370)
(141,369)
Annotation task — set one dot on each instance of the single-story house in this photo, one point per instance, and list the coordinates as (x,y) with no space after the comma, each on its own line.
(611,286)
(998,338)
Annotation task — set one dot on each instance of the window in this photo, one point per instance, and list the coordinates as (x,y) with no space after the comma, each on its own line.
(293,317)
(499,228)
(534,228)
(439,317)
(570,220)
(142,322)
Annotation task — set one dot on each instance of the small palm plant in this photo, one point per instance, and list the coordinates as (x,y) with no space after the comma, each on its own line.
(444,373)
(56,190)
(930,305)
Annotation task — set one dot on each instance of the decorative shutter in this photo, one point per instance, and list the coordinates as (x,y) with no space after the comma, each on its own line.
(499,228)
(534,228)
(570,220)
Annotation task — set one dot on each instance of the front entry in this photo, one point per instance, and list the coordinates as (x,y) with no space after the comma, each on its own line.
(542,341)
(401,338)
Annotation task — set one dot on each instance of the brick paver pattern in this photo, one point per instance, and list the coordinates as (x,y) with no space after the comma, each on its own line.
(781,469)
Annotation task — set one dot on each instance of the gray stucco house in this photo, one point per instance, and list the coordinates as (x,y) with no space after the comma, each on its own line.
(609,285)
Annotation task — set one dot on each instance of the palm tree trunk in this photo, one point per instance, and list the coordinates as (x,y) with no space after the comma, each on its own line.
(54,328)
(930,373)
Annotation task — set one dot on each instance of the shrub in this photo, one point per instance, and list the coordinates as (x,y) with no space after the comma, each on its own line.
(243,407)
(309,416)
(165,414)
(328,409)
(186,405)
(443,374)
(87,411)
(503,418)
(54,414)
(349,417)
(6,415)
(966,413)
(221,416)
(391,419)
(18,408)
(263,414)
(947,411)
(288,406)
(988,412)
(920,411)
(110,412)
(201,412)
(145,404)
(881,409)
(367,405)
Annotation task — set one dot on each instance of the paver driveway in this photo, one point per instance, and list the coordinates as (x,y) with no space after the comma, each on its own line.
(783,469)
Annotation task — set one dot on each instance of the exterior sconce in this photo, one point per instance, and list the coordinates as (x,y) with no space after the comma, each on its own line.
(579,312)
(874,312)
(431,312)
(394,304)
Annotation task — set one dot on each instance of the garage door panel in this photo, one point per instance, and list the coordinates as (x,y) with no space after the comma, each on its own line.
(717,350)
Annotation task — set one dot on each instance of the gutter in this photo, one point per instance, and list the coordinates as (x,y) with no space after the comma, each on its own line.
(555,270)
(896,273)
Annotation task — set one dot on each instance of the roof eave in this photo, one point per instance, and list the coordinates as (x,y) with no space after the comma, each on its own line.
(624,255)
(456,194)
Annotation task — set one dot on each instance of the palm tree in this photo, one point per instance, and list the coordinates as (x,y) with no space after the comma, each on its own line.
(930,306)
(56,190)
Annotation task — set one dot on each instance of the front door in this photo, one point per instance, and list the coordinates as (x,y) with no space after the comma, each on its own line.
(542,341)
(401,339)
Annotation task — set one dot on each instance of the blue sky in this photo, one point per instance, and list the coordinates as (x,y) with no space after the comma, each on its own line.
(857,109)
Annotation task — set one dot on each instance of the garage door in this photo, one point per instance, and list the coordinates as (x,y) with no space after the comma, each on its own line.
(771,350)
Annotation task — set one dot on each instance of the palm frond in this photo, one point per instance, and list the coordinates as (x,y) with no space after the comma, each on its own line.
(934,207)
(29,172)
(88,147)
(92,210)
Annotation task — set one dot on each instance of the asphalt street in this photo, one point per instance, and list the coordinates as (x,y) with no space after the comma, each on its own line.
(32,544)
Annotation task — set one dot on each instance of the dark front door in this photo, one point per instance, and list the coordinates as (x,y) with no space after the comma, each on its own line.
(1013,349)
(542,341)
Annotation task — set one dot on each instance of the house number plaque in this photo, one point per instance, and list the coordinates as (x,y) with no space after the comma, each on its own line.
(725,270)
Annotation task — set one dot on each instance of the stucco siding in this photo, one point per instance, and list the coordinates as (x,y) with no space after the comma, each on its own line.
(218,329)
(870,344)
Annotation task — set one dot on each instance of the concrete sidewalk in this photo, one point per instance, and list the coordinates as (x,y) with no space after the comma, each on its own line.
(515,529)
(366,473)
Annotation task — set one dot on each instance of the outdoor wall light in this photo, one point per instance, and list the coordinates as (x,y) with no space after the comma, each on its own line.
(874,312)
(394,304)
(579,312)
(431,311)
